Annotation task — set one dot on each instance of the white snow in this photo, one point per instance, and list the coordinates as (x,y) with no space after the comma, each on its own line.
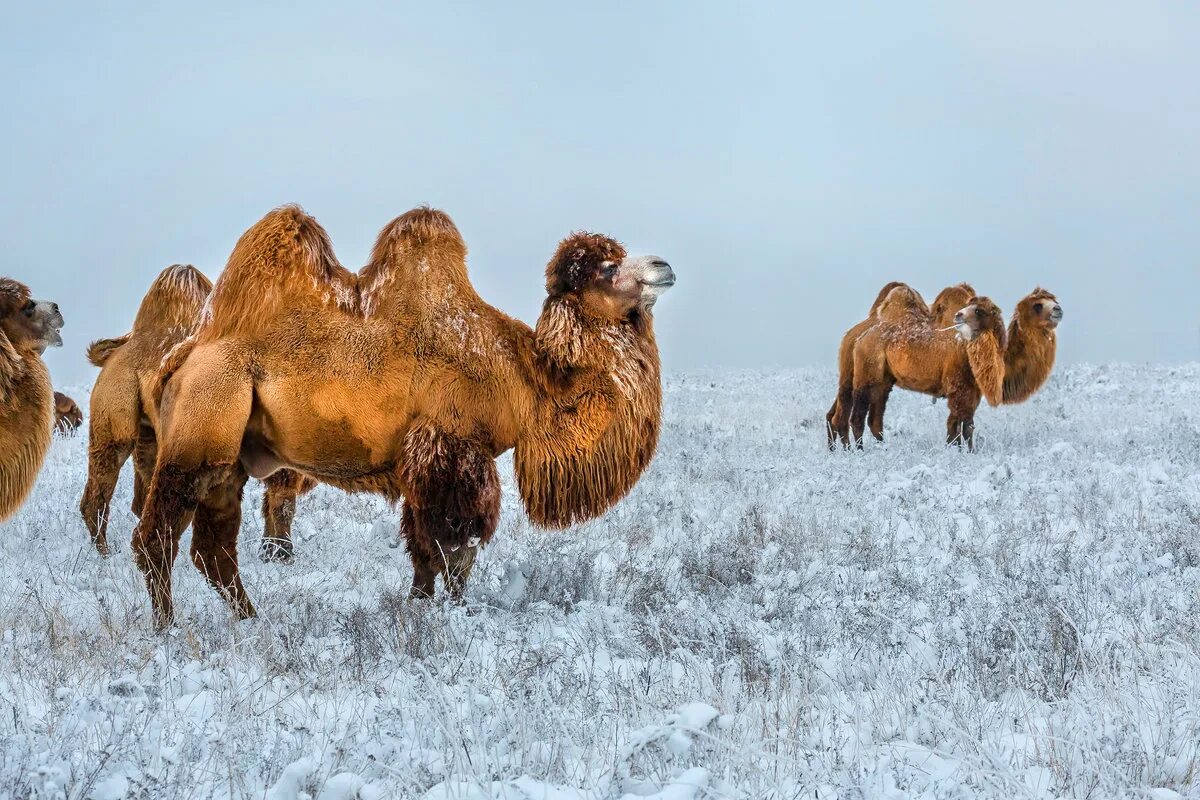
(759,619)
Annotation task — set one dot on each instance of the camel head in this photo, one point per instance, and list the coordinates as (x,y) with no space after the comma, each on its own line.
(605,280)
(980,315)
(948,300)
(1040,309)
(27,322)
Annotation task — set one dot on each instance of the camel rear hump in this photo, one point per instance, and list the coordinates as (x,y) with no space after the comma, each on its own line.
(283,261)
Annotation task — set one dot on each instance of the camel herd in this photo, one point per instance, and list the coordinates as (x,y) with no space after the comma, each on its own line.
(399,380)
(904,342)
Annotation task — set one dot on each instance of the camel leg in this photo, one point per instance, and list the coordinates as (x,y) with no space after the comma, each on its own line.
(839,417)
(452,510)
(858,414)
(425,558)
(279,510)
(878,404)
(105,460)
(145,452)
(201,423)
(960,425)
(173,496)
(214,537)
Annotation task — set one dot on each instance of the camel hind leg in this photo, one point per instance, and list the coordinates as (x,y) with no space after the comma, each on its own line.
(279,509)
(105,459)
(203,417)
(214,537)
(838,418)
(877,405)
(112,431)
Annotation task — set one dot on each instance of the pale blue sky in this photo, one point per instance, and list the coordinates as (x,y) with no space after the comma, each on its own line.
(788,159)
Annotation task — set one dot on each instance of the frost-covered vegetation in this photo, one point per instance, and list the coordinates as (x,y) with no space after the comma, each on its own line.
(759,619)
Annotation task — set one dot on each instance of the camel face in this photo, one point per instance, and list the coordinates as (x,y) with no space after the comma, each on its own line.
(619,287)
(1042,308)
(981,314)
(28,322)
(608,281)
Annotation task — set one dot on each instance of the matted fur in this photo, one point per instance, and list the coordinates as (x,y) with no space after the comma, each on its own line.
(1032,345)
(26,403)
(400,380)
(581,460)
(986,352)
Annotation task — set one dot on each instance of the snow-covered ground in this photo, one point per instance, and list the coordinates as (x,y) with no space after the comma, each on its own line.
(759,619)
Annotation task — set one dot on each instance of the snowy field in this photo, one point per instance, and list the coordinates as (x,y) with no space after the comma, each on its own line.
(759,619)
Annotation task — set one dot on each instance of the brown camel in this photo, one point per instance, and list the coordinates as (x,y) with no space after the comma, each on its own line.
(27,328)
(912,354)
(941,315)
(124,414)
(67,416)
(1032,342)
(400,380)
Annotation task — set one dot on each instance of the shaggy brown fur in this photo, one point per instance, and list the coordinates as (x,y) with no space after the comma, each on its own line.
(905,304)
(1032,343)
(400,380)
(910,353)
(27,327)
(67,416)
(124,413)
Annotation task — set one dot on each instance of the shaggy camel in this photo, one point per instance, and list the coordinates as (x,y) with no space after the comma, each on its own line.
(67,416)
(400,380)
(912,354)
(1032,342)
(124,414)
(941,315)
(27,328)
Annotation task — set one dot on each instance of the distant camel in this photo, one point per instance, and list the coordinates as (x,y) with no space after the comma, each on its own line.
(912,354)
(400,380)
(124,414)
(27,328)
(941,315)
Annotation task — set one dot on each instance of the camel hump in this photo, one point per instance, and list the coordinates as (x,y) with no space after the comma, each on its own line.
(282,262)
(174,299)
(417,251)
(101,350)
(901,303)
(883,293)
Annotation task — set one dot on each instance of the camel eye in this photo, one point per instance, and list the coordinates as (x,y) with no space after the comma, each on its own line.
(608,270)
(1037,308)
(29,308)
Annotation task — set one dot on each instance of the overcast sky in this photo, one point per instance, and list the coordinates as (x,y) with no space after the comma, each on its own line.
(787,159)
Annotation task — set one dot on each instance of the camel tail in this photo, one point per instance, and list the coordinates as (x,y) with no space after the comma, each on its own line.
(101,350)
